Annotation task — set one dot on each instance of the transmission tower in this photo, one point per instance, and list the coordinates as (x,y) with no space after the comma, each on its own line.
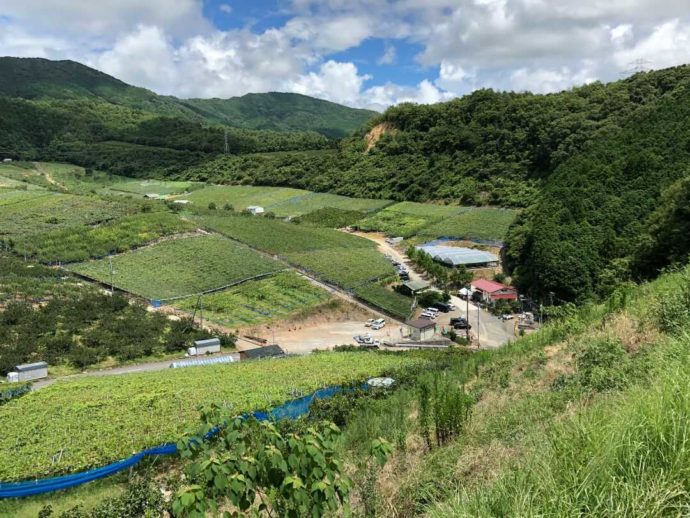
(637,66)
(227,145)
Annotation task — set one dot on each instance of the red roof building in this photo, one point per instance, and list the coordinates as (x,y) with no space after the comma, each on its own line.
(492,291)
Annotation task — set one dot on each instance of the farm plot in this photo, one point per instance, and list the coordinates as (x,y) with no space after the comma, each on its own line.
(346,267)
(159,187)
(79,244)
(9,183)
(315,200)
(44,213)
(478,223)
(10,197)
(25,173)
(179,267)
(275,298)
(279,237)
(408,218)
(241,196)
(388,300)
(76,425)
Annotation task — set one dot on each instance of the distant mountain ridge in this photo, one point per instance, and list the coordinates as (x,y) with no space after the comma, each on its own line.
(42,79)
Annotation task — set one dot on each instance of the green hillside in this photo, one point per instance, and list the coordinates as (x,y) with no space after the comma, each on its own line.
(42,79)
(282,112)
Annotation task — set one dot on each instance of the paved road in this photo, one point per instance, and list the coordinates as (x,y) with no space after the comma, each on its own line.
(492,331)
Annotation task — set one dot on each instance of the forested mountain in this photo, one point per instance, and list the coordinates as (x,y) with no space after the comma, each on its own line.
(602,171)
(42,79)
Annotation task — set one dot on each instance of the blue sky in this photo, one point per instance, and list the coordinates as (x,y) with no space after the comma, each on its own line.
(364,53)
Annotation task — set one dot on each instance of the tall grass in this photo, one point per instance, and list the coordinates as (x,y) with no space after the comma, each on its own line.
(627,454)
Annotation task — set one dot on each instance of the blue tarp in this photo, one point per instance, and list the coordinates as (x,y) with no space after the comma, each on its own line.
(290,410)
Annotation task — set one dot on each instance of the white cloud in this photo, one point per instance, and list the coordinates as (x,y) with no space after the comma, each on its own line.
(541,80)
(540,45)
(389,55)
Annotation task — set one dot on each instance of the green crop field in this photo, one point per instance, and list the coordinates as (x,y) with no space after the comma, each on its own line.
(160,187)
(385,298)
(10,183)
(86,423)
(279,237)
(478,223)
(10,197)
(346,267)
(274,298)
(241,196)
(79,243)
(280,200)
(315,200)
(44,213)
(427,210)
(180,267)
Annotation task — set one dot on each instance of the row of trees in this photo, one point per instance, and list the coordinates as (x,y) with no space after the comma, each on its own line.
(446,278)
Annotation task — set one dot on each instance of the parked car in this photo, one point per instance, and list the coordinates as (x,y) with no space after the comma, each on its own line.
(507,316)
(442,306)
(404,276)
(428,315)
(369,322)
(432,310)
(460,323)
(378,324)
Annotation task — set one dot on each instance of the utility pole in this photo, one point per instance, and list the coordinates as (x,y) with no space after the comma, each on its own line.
(478,310)
(467,312)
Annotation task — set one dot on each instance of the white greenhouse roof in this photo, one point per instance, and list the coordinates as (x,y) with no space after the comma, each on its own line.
(456,256)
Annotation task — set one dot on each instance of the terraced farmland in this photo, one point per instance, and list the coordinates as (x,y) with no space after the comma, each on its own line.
(315,200)
(179,267)
(76,425)
(79,243)
(275,298)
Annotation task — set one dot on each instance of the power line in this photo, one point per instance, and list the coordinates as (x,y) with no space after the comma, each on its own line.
(637,66)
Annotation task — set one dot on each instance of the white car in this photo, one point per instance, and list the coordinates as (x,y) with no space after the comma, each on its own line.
(369,322)
(451,307)
(378,324)
(432,310)
(429,315)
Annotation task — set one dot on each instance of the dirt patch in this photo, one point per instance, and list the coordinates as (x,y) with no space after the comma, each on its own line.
(377,132)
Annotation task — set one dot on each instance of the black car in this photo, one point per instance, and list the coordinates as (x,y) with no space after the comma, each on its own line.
(442,307)
(460,323)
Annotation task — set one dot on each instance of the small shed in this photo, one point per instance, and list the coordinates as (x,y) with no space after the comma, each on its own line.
(421,329)
(32,371)
(201,347)
(413,287)
(181,202)
(255,209)
(153,196)
(6,160)
(258,353)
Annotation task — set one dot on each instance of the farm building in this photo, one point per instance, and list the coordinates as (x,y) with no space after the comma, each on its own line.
(457,256)
(31,371)
(421,329)
(201,347)
(255,209)
(268,351)
(182,202)
(491,291)
(413,288)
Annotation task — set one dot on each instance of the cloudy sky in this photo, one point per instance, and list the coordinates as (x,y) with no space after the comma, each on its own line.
(365,53)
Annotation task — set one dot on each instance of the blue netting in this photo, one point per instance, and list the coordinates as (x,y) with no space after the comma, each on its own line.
(289,410)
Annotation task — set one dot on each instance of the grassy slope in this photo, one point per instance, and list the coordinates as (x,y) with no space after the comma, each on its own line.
(588,416)
(125,413)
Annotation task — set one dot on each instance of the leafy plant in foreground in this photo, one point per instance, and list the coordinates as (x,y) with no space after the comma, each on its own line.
(253,466)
